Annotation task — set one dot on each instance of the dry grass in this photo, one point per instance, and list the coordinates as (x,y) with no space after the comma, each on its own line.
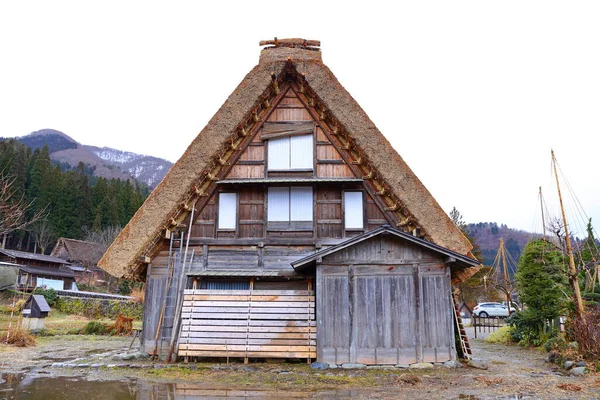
(20,337)
(408,380)
(122,326)
(570,387)
(489,381)
(138,295)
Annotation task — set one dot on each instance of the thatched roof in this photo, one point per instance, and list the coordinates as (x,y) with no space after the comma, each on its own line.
(78,251)
(141,235)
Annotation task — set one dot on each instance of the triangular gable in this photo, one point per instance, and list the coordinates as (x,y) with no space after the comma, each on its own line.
(458,262)
(210,157)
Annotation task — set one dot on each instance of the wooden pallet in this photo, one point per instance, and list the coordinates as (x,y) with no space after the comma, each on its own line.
(248,324)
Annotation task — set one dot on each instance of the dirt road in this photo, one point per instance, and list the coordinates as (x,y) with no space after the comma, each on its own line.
(513,373)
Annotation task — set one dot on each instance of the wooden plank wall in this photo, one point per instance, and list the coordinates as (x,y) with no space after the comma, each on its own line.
(156,294)
(248,323)
(384,301)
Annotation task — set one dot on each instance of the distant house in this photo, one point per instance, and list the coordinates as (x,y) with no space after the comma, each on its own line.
(37,270)
(83,257)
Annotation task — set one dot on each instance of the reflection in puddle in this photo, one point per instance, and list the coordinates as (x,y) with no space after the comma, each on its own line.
(35,387)
(30,386)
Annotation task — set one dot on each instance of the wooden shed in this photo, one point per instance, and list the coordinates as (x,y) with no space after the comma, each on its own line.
(384,297)
(292,172)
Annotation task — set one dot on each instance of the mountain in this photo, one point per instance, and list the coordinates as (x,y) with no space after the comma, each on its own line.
(487,235)
(106,162)
(147,169)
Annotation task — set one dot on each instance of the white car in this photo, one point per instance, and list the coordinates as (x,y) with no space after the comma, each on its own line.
(485,310)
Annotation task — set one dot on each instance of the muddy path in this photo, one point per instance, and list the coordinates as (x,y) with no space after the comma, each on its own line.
(83,361)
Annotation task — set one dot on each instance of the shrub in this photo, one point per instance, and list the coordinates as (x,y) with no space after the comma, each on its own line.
(586,332)
(557,343)
(49,294)
(99,308)
(502,336)
(95,328)
(527,329)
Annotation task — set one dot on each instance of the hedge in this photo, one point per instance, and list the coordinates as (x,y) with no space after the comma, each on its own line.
(99,308)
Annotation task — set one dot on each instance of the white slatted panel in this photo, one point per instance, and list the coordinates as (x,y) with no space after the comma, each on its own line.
(301,148)
(301,203)
(278,203)
(279,153)
(353,210)
(227,210)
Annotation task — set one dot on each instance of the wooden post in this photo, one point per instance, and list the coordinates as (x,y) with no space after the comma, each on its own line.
(543,218)
(419,310)
(505,275)
(572,275)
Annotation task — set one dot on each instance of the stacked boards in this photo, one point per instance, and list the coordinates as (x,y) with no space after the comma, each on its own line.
(248,323)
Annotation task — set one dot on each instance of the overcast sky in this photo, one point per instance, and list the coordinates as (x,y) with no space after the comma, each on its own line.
(472,94)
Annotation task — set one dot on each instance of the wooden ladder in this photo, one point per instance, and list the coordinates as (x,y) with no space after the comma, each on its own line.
(465,348)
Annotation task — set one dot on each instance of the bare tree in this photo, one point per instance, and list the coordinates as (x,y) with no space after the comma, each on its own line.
(105,237)
(14,209)
(43,235)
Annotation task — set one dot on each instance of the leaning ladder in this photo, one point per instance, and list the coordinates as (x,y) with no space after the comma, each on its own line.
(465,348)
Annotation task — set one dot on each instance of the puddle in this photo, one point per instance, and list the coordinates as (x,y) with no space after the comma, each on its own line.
(33,387)
(29,386)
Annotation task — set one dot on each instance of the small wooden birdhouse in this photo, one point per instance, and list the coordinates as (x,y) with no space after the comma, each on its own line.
(35,310)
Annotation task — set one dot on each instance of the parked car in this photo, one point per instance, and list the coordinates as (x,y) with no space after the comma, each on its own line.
(485,310)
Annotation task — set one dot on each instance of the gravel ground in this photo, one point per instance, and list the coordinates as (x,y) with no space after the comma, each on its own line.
(513,373)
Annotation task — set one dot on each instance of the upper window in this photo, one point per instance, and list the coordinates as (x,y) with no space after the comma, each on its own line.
(289,153)
(353,210)
(227,210)
(290,207)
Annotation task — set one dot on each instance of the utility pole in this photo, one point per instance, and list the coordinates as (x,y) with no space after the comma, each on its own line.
(572,275)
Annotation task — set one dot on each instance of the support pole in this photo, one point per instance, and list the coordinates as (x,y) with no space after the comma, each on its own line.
(572,275)
(505,275)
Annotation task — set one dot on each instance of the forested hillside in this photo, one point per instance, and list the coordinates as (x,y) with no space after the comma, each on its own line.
(487,235)
(73,200)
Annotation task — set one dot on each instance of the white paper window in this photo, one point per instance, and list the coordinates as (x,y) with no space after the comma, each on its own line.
(290,204)
(278,204)
(227,210)
(279,153)
(288,153)
(301,204)
(353,210)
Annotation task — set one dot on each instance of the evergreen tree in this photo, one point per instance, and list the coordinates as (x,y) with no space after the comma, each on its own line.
(71,198)
(542,286)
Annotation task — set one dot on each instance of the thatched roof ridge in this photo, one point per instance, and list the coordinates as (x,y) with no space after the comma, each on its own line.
(168,196)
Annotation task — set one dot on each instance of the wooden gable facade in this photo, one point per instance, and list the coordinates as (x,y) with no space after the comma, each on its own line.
(218,241)
(236,243)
